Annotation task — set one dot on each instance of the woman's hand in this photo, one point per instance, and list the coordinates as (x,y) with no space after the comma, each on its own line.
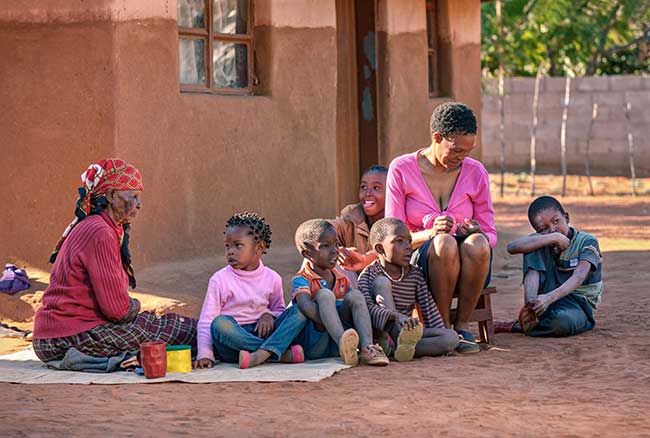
(265,326)
(203,363)
(469,226)
(442,225)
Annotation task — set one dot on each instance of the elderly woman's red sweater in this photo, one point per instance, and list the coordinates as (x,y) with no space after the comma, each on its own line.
(88,285)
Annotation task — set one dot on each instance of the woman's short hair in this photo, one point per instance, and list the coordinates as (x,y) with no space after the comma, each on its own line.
(453,118)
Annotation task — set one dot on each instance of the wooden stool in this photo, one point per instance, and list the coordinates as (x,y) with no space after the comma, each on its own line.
(482,314)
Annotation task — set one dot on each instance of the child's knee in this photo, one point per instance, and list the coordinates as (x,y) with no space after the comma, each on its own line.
(295,313)
(325,296)
(562,325)
(355,298)
(381,285)
(222,324)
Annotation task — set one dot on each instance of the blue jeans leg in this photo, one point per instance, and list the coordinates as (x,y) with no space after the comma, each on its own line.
(570,315)
(287,327)
(228,337)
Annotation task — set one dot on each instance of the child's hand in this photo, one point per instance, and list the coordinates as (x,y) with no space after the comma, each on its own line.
(351,259)
(405,321)
(203,363)
(541,303)
(265,326)
(443,225)
(560,241)
(467,227)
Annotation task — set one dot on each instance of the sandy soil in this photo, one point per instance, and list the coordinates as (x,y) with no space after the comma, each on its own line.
(595,384)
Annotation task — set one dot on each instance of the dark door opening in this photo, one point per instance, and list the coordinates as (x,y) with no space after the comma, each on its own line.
(366,53)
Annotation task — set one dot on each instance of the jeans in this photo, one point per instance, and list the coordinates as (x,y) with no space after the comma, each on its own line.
(228,337)
(567,316)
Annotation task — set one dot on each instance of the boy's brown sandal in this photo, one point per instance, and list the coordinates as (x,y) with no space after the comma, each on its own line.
(373,355)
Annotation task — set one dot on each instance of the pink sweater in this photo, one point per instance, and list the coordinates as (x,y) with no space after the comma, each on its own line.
(408,197)
(88,285)
(244,295)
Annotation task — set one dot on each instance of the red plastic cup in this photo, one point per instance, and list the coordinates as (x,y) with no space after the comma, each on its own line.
(153,358)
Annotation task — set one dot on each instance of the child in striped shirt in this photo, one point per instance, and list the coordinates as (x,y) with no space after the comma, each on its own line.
(393,288)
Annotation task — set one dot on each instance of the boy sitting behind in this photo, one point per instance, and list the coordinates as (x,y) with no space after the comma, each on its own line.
(562,273)
(393,288)
(322,293)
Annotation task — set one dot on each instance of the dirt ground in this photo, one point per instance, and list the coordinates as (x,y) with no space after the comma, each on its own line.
(595,384)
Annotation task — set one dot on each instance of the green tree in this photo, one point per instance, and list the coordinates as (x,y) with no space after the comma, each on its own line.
(579,37)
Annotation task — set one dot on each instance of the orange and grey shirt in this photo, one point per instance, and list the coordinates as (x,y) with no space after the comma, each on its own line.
(306,281)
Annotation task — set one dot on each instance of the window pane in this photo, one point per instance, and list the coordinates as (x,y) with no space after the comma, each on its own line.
(191,13)
(230,16)
(230,65)
(191,60)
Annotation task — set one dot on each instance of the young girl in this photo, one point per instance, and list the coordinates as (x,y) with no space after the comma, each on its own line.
(354,223)
(244,318)
(393,288)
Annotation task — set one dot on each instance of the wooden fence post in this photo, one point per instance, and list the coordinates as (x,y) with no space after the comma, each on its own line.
(594,114)
(630,144)
(565,113)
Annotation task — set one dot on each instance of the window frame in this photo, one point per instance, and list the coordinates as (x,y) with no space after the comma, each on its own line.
(432,48)
(207,34)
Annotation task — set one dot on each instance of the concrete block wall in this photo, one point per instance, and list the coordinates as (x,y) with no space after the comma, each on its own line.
(608,146)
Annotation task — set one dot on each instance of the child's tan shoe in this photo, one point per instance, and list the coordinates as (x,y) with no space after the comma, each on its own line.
(348,345)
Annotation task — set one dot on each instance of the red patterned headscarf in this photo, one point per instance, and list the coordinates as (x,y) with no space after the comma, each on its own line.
(107,174)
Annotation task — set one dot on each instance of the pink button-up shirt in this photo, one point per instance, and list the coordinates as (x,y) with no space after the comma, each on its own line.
(408,197)
(244,295)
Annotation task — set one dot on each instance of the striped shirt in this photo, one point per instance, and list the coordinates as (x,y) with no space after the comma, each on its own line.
(412,290)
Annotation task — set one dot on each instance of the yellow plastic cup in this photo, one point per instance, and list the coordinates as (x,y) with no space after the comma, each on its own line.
(179,359)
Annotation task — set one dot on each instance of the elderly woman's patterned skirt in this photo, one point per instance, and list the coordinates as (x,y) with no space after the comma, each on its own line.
(111,339)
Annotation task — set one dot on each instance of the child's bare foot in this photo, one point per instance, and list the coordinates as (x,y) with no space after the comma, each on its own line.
(348,345)
(250,360)
(294,354)
(373,355)
(406,343)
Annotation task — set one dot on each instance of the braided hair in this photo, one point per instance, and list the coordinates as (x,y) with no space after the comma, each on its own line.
(256,225)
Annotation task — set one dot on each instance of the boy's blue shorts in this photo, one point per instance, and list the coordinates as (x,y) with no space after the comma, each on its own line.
(317,344)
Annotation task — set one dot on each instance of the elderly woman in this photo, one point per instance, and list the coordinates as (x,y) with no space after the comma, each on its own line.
(87,304)
(444,198)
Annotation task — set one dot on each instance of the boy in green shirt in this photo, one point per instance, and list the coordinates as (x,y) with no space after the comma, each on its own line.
(562,273)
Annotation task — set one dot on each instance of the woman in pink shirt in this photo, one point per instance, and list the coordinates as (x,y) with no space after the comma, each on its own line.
(444,198)
(244,318)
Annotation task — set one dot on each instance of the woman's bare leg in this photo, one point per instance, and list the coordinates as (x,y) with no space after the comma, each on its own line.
(474,266)
(444,265)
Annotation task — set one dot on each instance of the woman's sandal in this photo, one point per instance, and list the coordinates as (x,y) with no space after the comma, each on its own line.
(406,343)
(348,345)
(467,344)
